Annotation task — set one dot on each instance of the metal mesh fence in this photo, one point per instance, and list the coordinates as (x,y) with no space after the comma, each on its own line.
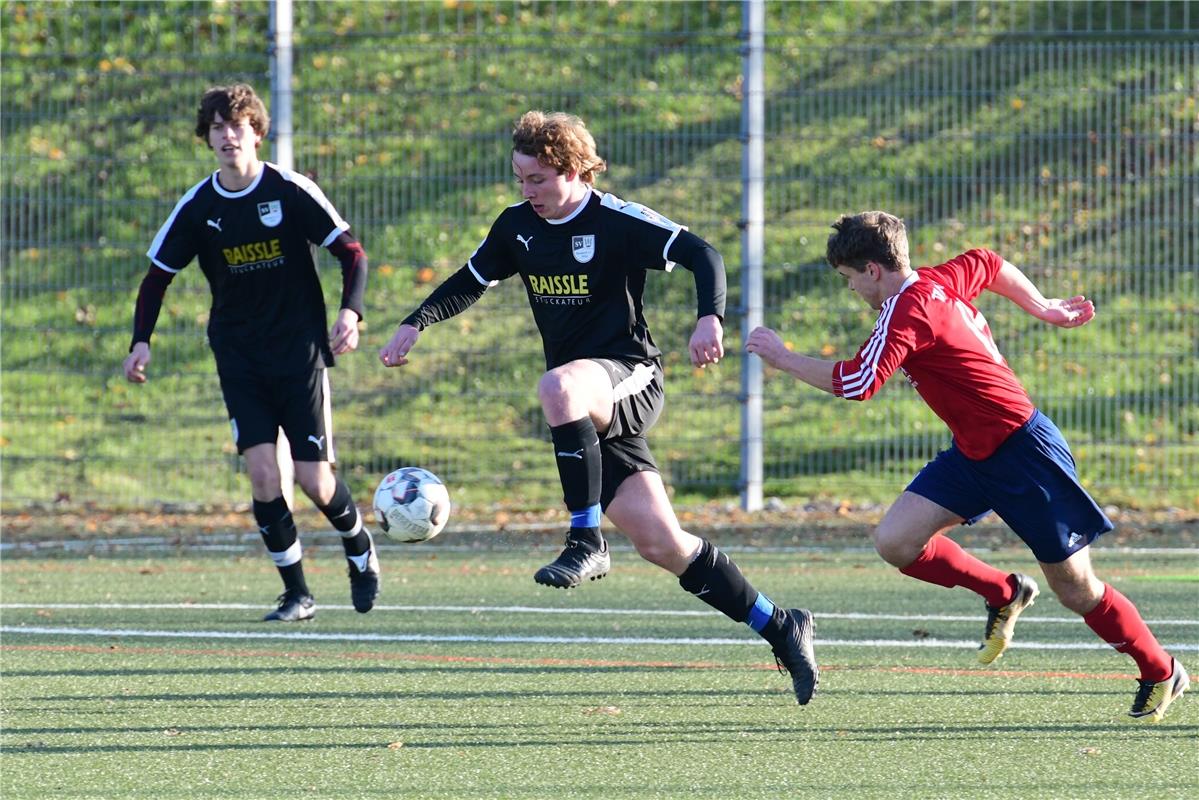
(1061,135)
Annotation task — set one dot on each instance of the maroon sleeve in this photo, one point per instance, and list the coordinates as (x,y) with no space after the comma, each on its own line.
(353,271)
(149,303)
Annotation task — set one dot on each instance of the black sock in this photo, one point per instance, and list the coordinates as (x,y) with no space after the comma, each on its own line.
(577,454)
(345,517)
(715,579)
(279,534)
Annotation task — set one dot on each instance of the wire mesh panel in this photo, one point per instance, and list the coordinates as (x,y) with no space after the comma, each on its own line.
(1061,135)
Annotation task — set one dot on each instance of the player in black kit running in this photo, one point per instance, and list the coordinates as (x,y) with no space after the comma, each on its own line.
(582,255)
(251,225)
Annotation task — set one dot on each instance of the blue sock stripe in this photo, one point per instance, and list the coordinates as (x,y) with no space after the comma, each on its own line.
(761,613)
(587,518)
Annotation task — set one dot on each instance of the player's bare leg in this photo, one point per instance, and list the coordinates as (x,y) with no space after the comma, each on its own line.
(1116,621)
(641,510)
(332,497)
(279,534)
(577,400)
(911,537)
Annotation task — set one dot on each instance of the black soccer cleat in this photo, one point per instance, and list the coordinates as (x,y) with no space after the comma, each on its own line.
(575,564)
(364,581)
(293,607)
(795,654)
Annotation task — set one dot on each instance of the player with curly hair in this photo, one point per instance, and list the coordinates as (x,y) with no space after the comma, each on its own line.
(583,256)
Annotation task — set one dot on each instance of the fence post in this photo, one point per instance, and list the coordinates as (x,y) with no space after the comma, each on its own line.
(281,137)
(753,130)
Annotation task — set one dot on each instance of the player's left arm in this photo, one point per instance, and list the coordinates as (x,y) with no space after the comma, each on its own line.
(711,286)
(343,336)
(1013,284)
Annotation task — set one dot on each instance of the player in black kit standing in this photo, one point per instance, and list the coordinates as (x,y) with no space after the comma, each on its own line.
(251,225)
(582,255)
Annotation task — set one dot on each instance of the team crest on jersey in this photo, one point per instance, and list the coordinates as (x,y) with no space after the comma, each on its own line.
(271,213)
(583,247)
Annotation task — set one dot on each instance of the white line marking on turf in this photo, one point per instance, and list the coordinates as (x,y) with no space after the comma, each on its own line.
(638,612)
(297,636)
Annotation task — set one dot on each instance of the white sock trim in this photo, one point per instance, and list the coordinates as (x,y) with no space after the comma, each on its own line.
(289,556)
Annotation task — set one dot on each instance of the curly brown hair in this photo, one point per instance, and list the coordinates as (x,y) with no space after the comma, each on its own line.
(870,236)
(233,103)
(558,140)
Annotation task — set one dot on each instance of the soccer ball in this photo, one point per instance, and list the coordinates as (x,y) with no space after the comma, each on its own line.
(412,505)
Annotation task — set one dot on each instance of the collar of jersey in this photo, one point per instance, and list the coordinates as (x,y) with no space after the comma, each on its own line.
(915,276)
(574,213)
(223,192)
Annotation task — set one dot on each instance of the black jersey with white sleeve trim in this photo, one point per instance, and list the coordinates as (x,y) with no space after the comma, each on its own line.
(584,276)
(255,248)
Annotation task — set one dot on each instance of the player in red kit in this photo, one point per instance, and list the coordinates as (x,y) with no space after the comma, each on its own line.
(1006,456)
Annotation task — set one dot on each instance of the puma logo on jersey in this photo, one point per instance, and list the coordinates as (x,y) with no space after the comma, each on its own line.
(576,454)
(319,441)
(524,241)
(216,224)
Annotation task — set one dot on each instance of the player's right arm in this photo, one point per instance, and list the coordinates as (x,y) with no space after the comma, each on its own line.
(486,267)
(174,246)
(769,346)
(459,292)
(145,317)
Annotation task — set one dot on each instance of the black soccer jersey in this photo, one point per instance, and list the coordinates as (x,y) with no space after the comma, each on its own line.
(584,275)
(254,246)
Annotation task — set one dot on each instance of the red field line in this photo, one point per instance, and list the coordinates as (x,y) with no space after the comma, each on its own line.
(547,662)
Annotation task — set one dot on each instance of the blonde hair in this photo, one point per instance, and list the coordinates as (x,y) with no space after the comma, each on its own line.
(558,140)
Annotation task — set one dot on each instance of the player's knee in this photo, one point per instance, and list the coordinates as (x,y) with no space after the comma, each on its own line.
(1079,593)
(317,484)
(662,550)
(264,479)
(313,489)
(893,548)
(555,386)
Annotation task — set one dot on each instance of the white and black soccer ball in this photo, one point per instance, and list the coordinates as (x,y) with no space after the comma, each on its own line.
(411,505)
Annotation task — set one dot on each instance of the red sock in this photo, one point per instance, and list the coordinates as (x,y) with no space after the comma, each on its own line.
(945,563)
(1118,623)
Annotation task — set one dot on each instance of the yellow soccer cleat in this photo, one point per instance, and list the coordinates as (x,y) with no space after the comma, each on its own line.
(1001,621)
(1153,699)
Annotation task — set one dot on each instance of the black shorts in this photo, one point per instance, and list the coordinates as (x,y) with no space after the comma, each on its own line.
(639,397)
(259,405)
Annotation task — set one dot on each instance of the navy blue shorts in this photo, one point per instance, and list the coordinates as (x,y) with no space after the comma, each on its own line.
(1029,482)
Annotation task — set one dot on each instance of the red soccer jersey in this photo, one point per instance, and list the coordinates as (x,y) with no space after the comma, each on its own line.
(942,343)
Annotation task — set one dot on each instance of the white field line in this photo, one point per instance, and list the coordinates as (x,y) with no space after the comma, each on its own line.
(239,542)
(631,612)
(296,636)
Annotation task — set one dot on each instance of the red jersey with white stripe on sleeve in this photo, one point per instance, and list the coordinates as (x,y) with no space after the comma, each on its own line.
(941,342)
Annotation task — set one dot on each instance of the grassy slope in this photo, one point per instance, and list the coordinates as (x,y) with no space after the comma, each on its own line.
(97,111)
